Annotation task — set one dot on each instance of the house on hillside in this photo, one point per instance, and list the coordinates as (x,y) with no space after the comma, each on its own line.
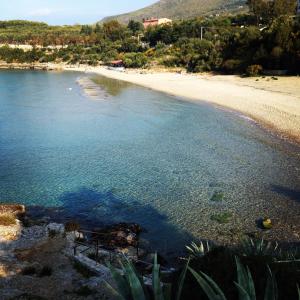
(156,21)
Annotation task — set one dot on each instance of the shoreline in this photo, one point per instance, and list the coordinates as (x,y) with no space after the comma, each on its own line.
(277,111)
(271,102)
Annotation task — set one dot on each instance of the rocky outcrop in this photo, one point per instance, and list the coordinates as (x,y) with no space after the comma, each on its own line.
(10,233)
(10,226)
(26,251)
(15,209)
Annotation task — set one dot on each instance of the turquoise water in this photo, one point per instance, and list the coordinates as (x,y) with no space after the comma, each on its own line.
(139,155)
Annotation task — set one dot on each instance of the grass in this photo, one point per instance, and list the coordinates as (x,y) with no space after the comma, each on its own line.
(217,197)
(7,219)
(222,218)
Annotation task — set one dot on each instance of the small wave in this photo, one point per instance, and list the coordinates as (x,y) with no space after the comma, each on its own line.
(247,118)
(91,89)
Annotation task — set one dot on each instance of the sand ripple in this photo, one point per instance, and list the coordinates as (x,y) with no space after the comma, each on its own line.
(91,89)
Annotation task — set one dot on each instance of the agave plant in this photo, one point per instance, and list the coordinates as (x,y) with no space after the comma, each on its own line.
(244,284)
(251,247)
(211,289)
(131,286)
(129,283)
(290,255)
(199,250)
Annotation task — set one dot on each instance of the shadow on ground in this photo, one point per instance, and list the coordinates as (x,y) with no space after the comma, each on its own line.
(94,209)
(287,192)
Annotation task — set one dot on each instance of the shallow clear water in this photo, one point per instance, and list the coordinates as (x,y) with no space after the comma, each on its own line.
(139,155)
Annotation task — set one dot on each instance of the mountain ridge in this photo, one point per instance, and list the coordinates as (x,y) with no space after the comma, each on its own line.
(181,9)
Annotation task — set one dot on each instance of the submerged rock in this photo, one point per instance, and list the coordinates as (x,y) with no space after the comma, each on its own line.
(121,235)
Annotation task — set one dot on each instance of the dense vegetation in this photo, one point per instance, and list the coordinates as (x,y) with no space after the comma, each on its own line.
(254,270)
(267,38)
(36,33)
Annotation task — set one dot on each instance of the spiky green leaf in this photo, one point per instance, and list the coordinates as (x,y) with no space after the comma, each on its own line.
(134,281)
(167,290)
(181,279)
(122,284)
(243,294)
(245,281)
(211,289)
(271,292)
(114,293)
(156,285)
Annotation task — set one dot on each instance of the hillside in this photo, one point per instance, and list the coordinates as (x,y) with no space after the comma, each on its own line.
(182,9)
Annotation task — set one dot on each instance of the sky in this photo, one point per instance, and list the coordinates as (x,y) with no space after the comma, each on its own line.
(65,12)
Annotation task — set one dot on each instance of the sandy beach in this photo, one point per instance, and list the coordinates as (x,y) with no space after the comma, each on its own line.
(273,103)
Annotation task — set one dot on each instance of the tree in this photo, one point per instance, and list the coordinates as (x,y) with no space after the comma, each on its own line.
(284,7)
(86,30)
(134,60)
(262,9)
(98,29)
(131,45)
(135,26)
(114,31)
(197,55)
(267,10)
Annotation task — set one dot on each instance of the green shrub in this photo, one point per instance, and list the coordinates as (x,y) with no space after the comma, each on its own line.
(170,61)
(135,60)
(197,55)
(232,65)
(254,70)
